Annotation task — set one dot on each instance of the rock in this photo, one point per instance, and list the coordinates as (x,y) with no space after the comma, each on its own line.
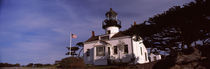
(189,61)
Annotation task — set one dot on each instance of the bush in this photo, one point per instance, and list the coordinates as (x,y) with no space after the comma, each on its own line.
(71,62)
(38,65)
(30,65)
(9,65)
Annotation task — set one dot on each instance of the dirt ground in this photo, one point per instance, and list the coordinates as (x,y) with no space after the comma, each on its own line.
(27,68)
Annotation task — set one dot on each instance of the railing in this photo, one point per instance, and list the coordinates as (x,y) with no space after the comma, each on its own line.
(107,23)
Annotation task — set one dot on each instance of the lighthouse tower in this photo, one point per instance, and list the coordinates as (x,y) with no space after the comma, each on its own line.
(111,24)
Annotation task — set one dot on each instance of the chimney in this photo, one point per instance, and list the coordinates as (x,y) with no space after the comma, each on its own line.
(134,24)
(93,33)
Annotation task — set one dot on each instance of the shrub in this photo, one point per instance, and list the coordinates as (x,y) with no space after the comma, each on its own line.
(71,62)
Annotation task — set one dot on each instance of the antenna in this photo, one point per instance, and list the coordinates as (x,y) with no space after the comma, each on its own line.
(111,5)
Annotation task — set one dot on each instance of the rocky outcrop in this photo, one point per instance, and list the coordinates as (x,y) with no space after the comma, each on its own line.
(194,58)
(189,61)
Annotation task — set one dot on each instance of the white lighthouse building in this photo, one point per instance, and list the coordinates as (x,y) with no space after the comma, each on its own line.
(114,46)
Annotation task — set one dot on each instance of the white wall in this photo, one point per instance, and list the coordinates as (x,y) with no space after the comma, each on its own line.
(88,60)
(121,55)
(154,57)
(102,60)
(113,29)
(140,55)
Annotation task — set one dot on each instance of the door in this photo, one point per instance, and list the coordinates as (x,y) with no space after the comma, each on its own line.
(108,51)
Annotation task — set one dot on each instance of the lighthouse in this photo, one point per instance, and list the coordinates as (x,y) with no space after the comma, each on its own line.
(115,45)
(111,24)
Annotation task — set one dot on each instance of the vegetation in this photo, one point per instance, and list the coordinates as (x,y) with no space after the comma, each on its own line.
(81,45)
(183,33)
(71,62)
(72,51)
(30,65)
(38,65)
(9,65)
(177,29)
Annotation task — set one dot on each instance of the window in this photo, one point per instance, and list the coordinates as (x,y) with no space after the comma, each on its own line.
(115,49)
(104,37)
(145,56)
(141,50)
(108,50)
(140,42)
(88,52)
(108,32)
(155,58)
(100,51)
(125,48)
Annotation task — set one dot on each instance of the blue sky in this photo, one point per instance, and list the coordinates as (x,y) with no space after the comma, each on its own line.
(37,31)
